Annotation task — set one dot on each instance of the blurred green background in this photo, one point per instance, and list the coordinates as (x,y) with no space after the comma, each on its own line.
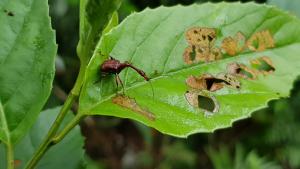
(268,140)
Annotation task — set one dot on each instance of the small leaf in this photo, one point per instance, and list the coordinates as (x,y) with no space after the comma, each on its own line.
(67,154)
(94,17)
(26,62)
(114,21)
(155,40)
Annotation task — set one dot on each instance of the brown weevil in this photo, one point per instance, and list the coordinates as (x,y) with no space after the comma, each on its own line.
(114,66)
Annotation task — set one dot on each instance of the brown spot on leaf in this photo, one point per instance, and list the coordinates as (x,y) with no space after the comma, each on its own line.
(131,104)
(241,70)
(261,41)
(189,55)
(211,83)
(204,82)
(215,54)
(201,46)
(263,64)
(203,101)
(234,45)
(229,80)
(204,37)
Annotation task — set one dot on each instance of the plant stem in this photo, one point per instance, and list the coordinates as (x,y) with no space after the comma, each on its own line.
(10,155)
(47,142)
(9,146)
(67,129)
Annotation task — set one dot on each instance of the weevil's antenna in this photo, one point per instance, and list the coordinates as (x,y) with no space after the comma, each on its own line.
(118,79)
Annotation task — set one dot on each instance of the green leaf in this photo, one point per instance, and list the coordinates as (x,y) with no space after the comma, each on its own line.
(67,154)
(5,137)
(114,21)
(26,62)
(289,5)
(4,132)
(154,41)
(94,16)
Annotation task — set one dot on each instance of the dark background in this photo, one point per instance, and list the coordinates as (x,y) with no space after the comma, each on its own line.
(269,139)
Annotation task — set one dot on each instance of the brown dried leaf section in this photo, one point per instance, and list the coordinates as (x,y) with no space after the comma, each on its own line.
(131,104)
(242,71)
(201,46)
(212,83)
(251,73)
(260,41)
(234,45)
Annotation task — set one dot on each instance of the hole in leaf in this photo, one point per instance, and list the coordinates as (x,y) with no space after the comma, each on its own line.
(131,104)
(211,83)
(206,103)
(263,64)
(202,100)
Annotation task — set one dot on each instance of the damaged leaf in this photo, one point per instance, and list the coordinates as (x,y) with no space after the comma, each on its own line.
(234,45)
(155,42)
(211,83)
(202,37)
(263,64)
(261,41)
(131,104)
(203,101)
(201,45)
(241,70)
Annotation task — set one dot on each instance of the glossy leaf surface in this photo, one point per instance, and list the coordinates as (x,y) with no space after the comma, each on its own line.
(154,41)
(26,62)
(94,16)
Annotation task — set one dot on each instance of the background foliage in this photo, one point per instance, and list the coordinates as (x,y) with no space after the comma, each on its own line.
(267,140)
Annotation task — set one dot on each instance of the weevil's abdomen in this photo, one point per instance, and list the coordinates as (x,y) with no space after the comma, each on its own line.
(111,66)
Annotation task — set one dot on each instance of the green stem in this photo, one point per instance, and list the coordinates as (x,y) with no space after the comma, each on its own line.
(47,142)
(67,129)
(9,146)
(10,156)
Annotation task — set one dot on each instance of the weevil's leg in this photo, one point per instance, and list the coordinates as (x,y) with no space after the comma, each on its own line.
(111,58)
(119,79)
(116,78)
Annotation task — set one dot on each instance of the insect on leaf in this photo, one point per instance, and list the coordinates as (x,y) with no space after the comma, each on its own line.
(162,43)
